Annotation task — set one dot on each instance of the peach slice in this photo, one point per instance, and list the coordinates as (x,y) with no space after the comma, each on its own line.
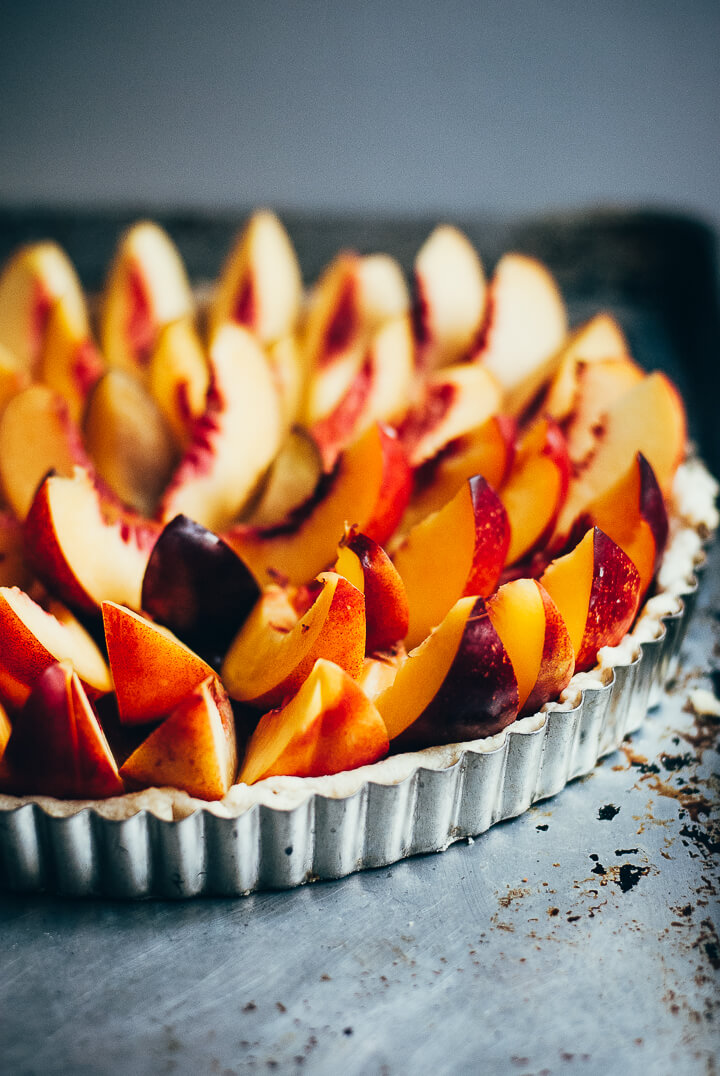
(5,730)
(57,746)
(13,378)
(197,587)
(14,570)
(455,400)
(633,514)
(487,450)
(382,289)
(33,280)
(128,440)
(69,361)
(380,669)
(290,481)
(368,567)
(334,336)
(598,384)
(536,488)
(596,588)
(391,354)
(260,286)
(152,669)
(287,363)
(236,438)
(85,547)
(526,326)
(339,427)
(600,338)
(178,378)
(269,660)
(147,288)
(55,444)
(458,550)
(327,727)
(648,418)
(193,749)
(381,390)
(450,297)
(458,685)
(536,640)
(370,487)
(35,637)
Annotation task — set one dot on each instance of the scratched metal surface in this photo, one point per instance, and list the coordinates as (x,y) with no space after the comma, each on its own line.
(581,937)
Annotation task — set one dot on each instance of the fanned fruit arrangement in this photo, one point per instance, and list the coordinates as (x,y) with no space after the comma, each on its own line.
(286,533)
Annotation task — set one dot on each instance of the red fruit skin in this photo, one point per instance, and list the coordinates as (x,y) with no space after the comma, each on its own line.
(492,538)
(614,599)
(333,432)
(478,697)
(57,747)
(386,606)
(197,586)
(652,507)
(557,663)
(395,489)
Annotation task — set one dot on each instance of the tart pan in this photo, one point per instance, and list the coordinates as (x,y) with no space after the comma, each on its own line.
(297,832)
(164,844)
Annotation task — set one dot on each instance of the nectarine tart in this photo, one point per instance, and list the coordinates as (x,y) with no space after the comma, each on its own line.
(332,575)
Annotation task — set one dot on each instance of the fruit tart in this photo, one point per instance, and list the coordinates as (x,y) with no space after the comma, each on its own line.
(334,550)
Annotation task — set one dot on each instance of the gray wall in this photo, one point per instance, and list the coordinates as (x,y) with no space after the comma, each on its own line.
(511,105)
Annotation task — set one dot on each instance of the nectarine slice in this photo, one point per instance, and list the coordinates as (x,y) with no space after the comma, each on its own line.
(518,616)
(14,569)
(458,685)
(268,661)
(450,297)
(260,286)
(633,514)
(13,377)
(70,362)
(456,400)
(596,589)
(86,547)
(194,748)
(147,288)
(369,487)
(487,450)
(536,639)
(648,418)
(32,281)
(128,440)
(152,669)
(54,444)
(526,326)
(236,438)
(458,550)
(33,638)
(197,586)
(5,730)
(598,339)
(327,727)
(57,746)
(536,488)
(178,378)
(368,567)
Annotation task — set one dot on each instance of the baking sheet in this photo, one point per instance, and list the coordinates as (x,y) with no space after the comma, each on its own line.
(579,937)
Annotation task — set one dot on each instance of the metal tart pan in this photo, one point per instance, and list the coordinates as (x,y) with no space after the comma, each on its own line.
(324,837)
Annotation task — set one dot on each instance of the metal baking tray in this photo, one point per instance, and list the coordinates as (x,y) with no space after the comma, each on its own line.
(324,837)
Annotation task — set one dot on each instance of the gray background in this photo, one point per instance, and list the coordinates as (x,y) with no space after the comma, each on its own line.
(508,106)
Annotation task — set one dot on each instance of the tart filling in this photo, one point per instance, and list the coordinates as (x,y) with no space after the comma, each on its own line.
(318,533)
